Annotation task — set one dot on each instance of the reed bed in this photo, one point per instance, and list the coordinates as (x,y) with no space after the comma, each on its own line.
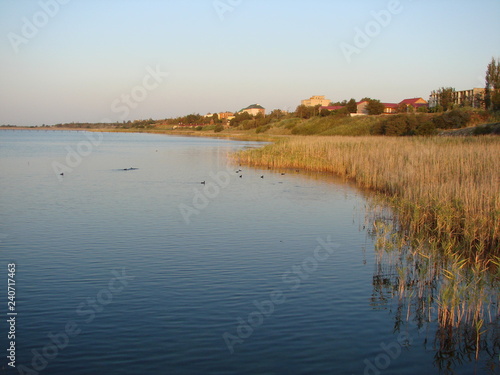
(443,189)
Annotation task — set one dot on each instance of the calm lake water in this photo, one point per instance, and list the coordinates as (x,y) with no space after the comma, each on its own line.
(149,271)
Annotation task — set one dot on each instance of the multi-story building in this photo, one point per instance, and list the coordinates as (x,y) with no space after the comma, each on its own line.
(469,98)
(313,101)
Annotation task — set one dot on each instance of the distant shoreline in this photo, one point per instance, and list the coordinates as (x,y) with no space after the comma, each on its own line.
(240,136)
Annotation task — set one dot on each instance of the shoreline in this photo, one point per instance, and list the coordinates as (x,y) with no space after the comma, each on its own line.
(439,194)
(240,136)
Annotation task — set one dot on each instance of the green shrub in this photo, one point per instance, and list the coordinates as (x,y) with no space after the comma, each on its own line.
(487,129)
(248,124)
(426,128)
(404,125)
(262,129)
(218,128)
(396,125)
(314,125)
(454,119)
(291,123)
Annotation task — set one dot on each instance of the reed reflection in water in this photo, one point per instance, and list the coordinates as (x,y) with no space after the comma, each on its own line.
(453,301)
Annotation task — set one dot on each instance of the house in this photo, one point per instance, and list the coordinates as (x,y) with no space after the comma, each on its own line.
(416,103)
(220,115)
(362,110)
(313,101)
(254,110)
(390,108)
(225,115)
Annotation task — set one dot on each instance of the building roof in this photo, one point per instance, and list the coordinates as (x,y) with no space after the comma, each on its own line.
(332,107)
(253,106)
(412,101)
(390,105)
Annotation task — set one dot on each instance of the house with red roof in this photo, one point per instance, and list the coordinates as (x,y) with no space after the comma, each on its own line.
(390,108)
(416,103)
(332,107)
(362,110)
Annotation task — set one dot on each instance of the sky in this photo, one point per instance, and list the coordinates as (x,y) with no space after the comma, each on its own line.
(65,61)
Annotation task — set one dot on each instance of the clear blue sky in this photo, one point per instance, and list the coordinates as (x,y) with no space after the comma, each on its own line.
(84,56)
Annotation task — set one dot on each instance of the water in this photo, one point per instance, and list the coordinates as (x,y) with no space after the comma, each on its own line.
(148,271)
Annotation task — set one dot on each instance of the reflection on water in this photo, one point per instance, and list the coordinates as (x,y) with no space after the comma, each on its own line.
(195,280)
(454,302)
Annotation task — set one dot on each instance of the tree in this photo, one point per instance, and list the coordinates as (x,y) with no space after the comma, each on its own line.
(193,118)
(402,108)
(277,114)
(352,106)
(480,101)
(454,119)
(324,112)
(343,103)
(492,95)
(306,112)
(374,107)
(302,111)
(240,117)
(445,95)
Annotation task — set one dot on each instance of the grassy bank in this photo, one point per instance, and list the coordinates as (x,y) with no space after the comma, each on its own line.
(331,125)
(445,190)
